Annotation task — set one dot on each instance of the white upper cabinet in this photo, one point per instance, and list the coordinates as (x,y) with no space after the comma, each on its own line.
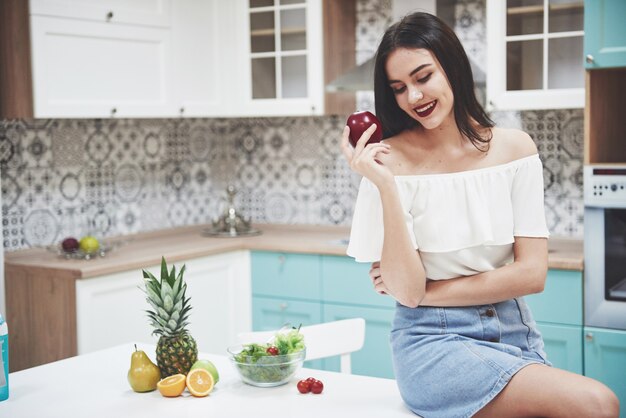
(279,52)
(535,54)
(140,12)
(203,57)
(164,58)
(98,69)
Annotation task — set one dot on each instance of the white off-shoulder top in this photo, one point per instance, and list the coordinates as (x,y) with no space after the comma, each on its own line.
(462,223)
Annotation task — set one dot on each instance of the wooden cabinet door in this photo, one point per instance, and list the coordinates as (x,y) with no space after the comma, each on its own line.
(605,360)
(95,69)
(605,33)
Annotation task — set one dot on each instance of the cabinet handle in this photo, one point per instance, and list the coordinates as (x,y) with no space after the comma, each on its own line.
(283,306)
(589,59)
(589,337)
(113,111)
(109,16)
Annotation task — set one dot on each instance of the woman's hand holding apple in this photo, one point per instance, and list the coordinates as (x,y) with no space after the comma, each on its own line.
(365,159)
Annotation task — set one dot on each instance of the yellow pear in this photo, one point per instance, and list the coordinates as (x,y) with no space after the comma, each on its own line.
(143,374)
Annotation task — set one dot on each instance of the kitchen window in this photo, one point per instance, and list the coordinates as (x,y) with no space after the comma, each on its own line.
(535,54)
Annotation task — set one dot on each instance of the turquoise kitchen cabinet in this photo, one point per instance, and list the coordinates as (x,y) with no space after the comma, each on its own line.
(346,281)
(605,360)
(304,288)
(272,313)
(561,301)
(286,275)
(558,311)
(564,346)
(605,34)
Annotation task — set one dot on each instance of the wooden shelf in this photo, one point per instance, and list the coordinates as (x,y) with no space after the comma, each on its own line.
(272,32)
(524,10)
(604,116)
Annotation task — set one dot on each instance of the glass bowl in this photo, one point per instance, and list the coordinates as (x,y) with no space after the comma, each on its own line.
(266,371)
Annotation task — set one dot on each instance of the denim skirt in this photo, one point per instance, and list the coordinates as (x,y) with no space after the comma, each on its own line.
(450,362)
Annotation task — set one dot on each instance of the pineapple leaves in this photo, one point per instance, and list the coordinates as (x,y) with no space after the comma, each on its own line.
(163,269)
(172,277)
(166,296)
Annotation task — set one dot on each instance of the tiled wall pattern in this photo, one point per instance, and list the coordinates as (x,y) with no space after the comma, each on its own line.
(111,177)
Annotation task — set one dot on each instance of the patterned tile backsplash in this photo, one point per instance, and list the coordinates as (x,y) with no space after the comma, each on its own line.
(65,177)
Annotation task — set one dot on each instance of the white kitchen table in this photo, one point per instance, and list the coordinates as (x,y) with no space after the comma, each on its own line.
(94,386)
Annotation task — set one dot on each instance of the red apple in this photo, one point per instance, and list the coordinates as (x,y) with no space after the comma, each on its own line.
(359,122)
(70,245)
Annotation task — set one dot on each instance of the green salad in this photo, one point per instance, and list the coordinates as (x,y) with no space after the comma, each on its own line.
(271,362)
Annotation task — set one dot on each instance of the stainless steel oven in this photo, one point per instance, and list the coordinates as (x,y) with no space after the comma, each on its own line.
(605,246)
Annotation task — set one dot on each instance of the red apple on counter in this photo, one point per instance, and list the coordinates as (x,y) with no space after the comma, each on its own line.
(70,245)
(359,122)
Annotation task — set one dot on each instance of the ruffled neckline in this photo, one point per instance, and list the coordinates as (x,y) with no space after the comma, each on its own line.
(474,171)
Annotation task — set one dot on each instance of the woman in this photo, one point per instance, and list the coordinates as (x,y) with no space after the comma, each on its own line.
(450,210)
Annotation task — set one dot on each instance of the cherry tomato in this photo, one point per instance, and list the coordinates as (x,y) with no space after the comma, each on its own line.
(304,386)
(311,379)
(317,387)
(272,351)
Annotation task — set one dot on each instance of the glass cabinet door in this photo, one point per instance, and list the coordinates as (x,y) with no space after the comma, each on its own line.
(539,49)
(278,48)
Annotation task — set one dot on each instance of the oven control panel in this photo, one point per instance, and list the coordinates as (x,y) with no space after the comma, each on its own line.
(605,186)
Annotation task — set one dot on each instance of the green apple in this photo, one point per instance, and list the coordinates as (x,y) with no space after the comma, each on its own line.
(209,367)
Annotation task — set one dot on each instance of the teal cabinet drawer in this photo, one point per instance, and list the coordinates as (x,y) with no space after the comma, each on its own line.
(286,275)
(605,360)
(270,314)
(346,281)
(561,301)
(563,345)
(374,359)
(605,33)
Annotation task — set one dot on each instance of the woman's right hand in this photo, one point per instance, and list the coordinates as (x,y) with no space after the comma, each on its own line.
(365,159)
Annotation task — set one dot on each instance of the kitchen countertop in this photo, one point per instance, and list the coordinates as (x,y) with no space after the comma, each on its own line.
(177,244)
(94,385)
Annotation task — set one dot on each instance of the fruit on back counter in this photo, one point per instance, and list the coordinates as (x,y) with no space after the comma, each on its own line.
(143,374)
(359,122)
(70,245)
(176,350)
(89,244)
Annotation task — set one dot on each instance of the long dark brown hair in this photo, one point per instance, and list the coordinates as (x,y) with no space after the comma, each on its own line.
(425,31)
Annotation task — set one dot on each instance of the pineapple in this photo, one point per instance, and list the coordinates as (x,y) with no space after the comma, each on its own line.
(176,350)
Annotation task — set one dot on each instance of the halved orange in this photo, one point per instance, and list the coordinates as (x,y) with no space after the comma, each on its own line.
(200,382)
(172,386)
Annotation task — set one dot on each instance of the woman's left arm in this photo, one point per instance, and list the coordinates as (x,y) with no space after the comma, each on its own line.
(524,276)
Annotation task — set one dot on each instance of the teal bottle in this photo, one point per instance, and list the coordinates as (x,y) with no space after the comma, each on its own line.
(4,365)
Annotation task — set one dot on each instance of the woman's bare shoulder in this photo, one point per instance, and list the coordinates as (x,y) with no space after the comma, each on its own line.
(512,144)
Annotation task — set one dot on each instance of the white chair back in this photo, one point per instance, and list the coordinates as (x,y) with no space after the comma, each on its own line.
(328,339)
